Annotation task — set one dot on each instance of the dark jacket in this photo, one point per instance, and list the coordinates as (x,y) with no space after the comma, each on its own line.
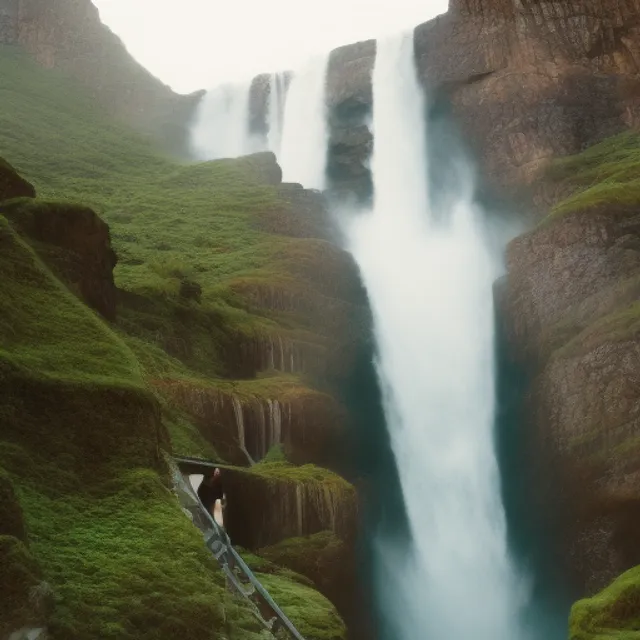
(210,490)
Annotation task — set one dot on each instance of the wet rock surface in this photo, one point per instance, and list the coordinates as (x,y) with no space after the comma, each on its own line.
(526,81)
(573,321)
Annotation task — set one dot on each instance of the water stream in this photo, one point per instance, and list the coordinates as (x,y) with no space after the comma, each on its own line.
(429,272)
(304,137)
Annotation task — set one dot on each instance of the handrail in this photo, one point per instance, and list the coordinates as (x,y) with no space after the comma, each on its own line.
(225,547)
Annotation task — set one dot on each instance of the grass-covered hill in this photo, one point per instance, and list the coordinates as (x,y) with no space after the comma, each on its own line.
(233,323)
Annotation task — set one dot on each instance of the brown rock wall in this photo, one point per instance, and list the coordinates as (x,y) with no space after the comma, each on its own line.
(572,318)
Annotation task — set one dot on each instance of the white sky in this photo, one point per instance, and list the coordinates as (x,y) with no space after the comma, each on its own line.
(194,44)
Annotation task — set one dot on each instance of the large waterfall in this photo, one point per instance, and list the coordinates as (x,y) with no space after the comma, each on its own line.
(429,272)
(304,137)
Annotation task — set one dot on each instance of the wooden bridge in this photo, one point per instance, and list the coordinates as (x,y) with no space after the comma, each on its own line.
(240,578)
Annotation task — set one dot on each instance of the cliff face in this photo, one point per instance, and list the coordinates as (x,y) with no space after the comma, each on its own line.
(68,34)
(574,322)
(527,81)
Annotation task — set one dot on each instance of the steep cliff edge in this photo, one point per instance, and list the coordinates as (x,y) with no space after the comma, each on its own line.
(68,35)
(571,309)
(527,81)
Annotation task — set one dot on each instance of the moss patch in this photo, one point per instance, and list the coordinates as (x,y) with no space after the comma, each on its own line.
(612,613)
(312,614)
(605,174)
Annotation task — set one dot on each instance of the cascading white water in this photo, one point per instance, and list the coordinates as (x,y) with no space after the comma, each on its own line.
(304,136)
(429,276)
(221,128)
(275,111)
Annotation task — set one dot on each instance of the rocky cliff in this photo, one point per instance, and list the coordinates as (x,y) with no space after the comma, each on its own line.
(527,81)
(68,35)
(572,320)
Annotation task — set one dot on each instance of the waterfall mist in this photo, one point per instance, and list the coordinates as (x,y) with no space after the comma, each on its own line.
(429,272)
(221,127)
(304,137)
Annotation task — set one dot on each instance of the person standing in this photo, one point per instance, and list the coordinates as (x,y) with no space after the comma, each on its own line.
(210,491)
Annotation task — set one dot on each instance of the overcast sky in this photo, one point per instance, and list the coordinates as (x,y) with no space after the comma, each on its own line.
(194,44)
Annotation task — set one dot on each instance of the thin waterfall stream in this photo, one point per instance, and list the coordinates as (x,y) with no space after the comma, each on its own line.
(429,272)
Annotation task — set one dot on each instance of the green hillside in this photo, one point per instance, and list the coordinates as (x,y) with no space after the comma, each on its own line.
(86,425)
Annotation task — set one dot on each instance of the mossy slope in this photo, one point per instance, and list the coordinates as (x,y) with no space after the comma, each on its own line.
(87,421)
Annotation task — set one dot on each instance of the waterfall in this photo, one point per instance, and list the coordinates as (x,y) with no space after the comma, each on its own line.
(221,127)
(304,137)
(429,272)
(239,414)
(275,111)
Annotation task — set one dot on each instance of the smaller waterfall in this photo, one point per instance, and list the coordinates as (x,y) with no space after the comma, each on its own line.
(275,111)
(303,152)
(237,409)
(221,128)
(275,422)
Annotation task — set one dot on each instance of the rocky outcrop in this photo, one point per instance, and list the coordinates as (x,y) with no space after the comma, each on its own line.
(244,426)
(573,320)
(276,501)
(75,242)
(68,34)
(527,81)
(13,185)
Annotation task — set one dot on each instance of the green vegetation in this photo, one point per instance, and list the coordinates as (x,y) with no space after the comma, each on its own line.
(46,330)
(614,613)
(314,616)
(607,173)
(305,474)
(85,421)
(299,553)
